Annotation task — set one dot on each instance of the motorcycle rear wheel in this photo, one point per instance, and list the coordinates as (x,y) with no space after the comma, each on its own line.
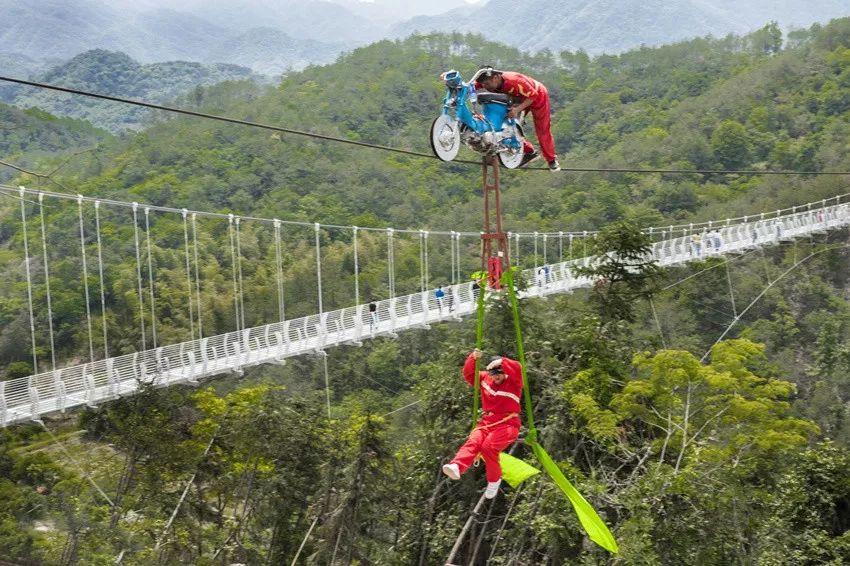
(511,159)
(445,137)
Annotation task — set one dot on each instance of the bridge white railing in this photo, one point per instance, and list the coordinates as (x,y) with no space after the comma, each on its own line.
(30,397)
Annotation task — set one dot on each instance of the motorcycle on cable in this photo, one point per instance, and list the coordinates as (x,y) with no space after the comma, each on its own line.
(477,119)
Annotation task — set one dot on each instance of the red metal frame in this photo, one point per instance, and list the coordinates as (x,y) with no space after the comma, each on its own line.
(494,259)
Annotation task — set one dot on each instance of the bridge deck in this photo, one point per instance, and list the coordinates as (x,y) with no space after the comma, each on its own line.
(30,397)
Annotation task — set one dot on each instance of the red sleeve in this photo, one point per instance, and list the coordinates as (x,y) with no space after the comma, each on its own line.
(513,370)
(469,370)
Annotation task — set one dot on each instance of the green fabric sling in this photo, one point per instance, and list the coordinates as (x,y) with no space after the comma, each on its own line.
(590,520)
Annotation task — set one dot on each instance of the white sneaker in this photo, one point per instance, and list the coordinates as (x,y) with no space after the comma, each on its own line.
(492,489)
(452,471)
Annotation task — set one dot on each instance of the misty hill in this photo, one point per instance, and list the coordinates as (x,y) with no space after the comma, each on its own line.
(276,36)
(614,26)
(116,74)
(317,20)
(61,29)
(272,52)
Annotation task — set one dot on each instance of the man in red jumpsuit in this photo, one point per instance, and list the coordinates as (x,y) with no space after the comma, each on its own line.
(501,387)
(534,96)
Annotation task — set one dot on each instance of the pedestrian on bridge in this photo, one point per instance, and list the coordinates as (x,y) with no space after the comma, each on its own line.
(439,295)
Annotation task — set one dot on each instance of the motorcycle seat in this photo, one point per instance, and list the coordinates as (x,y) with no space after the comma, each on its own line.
(493,98)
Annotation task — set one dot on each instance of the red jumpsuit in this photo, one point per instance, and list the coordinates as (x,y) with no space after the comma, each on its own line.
(499,427)
(519,85)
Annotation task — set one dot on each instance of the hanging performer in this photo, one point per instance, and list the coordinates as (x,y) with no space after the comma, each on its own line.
(532,95)
(501,388)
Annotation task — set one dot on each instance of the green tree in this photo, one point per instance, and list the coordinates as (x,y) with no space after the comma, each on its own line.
(622,270)
(731,144)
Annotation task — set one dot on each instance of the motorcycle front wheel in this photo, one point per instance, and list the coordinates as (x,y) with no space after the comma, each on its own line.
(445,137)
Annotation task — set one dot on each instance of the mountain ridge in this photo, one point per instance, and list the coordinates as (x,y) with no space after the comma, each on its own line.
(117,74)
(317,31)
(608,26)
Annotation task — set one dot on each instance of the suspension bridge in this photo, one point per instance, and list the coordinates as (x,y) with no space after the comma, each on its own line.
(100,378)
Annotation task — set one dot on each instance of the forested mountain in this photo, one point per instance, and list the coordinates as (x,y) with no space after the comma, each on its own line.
(741,459)
(116,74)
(27,136)
(609,26)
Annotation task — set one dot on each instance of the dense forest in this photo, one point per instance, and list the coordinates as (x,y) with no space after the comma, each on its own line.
(739,459)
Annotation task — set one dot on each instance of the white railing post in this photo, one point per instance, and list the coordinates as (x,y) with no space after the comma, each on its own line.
(111,377)
(393,317)
(3,407)
(358,322)
(425,313)
(91,392)
(205,356)
(193,367)
(35,411)
(322,330)
(61,392)
(279,338)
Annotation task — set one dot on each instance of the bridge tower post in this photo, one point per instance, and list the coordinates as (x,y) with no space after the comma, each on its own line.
(494,242)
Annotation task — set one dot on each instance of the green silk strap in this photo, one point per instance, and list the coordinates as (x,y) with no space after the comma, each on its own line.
(520,349)
(590,520)
(479,341)
(593,525)
(514,470)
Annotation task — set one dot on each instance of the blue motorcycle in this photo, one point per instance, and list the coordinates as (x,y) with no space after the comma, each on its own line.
(488,131)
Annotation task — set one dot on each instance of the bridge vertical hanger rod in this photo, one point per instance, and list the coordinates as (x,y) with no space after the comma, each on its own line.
(493,260)
(185,214)
(239,273)
(561,247)
(452,255)
(427,268)
(85,275)
(102,285)
(150,275)
(29,279)
(278,266)
(197,275)
(139,275)
(230,218)
(458,277)
(536,261)
(517,249)
(390,264)
(421,261)
(47,281)
(316,230)
(356,268)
